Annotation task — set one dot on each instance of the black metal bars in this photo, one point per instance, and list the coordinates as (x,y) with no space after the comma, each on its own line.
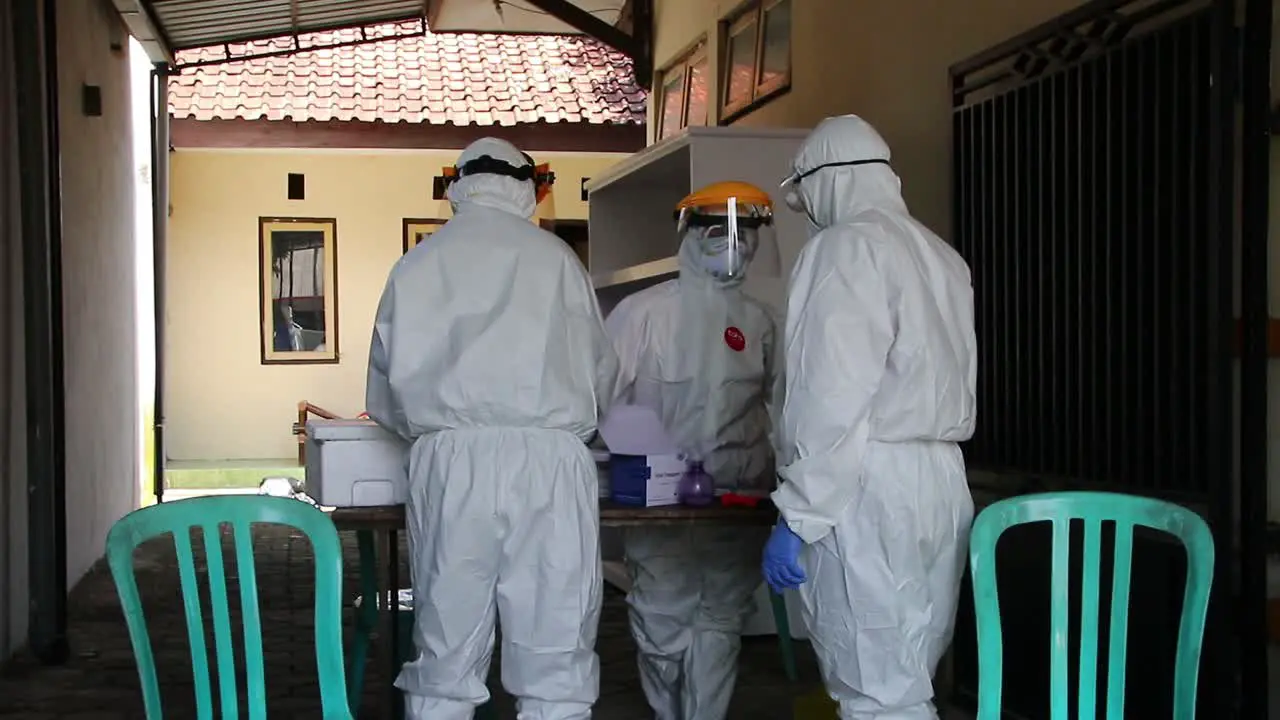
(36,80)
(1082,205)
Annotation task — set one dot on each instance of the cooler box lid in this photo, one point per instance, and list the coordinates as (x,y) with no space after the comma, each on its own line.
(345,429)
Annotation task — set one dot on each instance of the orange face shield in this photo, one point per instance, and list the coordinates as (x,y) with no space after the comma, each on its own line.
(543,179)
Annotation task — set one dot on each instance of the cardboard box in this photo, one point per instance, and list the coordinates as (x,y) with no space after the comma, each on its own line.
(645,480)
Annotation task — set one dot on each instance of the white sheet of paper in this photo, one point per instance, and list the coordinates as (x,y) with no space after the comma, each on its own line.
(636,430)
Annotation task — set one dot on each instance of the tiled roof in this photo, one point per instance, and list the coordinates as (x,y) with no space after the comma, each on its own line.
(458,78)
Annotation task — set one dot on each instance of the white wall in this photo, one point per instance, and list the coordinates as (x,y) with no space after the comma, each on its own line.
(98,307)
(98,279)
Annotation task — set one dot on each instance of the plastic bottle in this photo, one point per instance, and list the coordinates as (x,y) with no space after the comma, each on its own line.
(697,488)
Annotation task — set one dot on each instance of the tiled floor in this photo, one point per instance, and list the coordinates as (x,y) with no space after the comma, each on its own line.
(100,682)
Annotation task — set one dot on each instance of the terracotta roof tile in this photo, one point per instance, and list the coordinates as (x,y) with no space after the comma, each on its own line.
(453,78)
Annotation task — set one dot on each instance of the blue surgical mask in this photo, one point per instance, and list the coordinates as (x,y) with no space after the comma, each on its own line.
(722,267)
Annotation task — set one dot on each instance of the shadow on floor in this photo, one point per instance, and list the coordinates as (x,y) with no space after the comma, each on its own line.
(100,682)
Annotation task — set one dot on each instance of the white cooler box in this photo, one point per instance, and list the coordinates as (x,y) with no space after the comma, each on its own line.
(355,463)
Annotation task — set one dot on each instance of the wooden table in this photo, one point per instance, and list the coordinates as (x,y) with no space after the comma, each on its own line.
(391,517)
(386,522)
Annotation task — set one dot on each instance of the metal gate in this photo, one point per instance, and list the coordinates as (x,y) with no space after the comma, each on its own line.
(1095,201)
(1088,206)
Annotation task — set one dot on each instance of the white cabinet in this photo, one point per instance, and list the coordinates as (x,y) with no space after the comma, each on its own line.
(631,205)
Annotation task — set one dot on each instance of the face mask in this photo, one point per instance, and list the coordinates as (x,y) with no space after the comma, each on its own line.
(792,183)
(721,267)
(793,200)
(797,204)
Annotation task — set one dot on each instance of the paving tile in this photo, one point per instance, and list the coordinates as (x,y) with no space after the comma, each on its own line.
(100,681)
(459,79)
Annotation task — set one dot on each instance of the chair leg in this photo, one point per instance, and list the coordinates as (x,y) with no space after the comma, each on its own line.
(366,618)
(783,625)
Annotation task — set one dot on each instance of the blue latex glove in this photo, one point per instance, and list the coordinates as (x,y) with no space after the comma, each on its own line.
(782,559)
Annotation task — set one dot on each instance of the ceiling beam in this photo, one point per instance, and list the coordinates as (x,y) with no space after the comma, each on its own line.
(142,25)
(296,48)
(637,45)
(642,31)
(586,23)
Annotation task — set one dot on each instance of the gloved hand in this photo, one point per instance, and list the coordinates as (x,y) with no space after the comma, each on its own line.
(782,559)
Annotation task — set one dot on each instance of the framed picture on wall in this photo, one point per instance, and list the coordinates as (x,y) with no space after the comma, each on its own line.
(298,290)
(418,229)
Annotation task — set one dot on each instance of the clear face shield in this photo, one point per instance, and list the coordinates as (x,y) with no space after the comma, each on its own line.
(732,234)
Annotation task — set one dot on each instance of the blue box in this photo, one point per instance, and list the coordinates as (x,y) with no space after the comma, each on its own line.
(645,480)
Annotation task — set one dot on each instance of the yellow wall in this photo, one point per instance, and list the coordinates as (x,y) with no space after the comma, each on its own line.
(221,402)
(885,61)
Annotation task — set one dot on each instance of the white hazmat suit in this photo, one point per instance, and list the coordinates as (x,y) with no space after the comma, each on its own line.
(489,355)
(692,588)
(881,377)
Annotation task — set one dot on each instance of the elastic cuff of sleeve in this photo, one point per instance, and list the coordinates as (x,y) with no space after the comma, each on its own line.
(808,529)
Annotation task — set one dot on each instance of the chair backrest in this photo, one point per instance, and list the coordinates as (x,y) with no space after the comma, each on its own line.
(210,514)
(1093,508)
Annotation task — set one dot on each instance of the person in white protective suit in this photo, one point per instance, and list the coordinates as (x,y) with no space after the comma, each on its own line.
(489,355)
(881,373)
(700,353)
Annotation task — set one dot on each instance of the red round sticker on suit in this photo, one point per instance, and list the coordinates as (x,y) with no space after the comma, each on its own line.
(734,338)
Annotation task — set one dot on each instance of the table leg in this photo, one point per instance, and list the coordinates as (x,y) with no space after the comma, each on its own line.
(387,608)
(397,657)
(782,624)
(366,618)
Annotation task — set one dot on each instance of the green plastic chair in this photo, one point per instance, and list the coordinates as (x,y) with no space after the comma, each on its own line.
(209,514)
(1093,508)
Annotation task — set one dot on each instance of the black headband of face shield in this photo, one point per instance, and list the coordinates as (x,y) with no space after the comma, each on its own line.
(750,222)
(493,166)
(846,163)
